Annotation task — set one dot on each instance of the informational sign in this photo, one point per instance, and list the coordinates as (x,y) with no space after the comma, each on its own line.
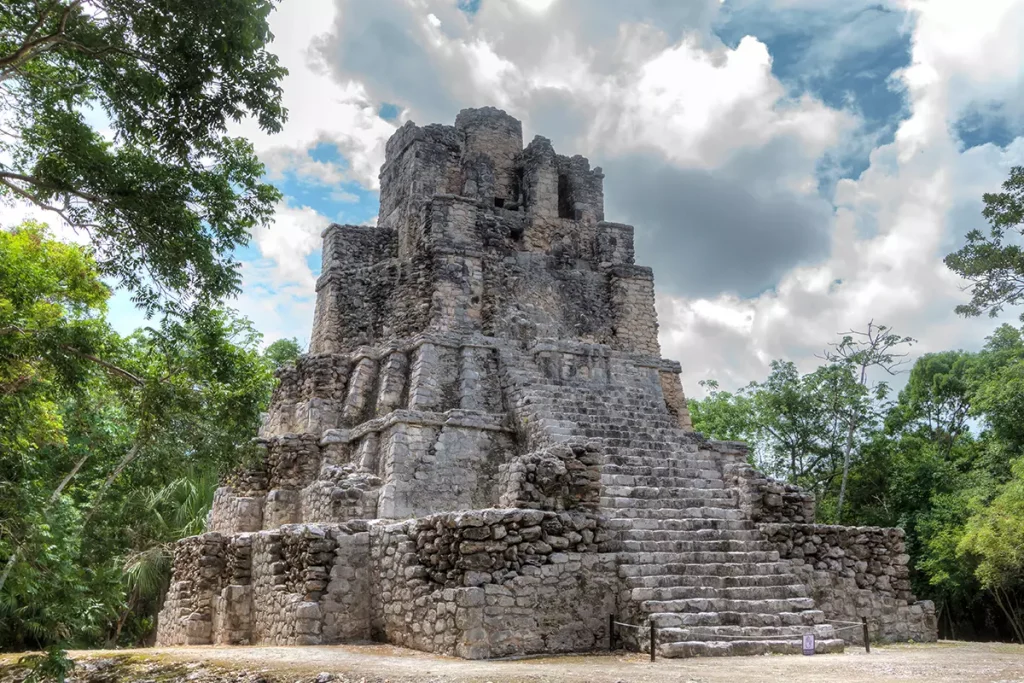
(808,643)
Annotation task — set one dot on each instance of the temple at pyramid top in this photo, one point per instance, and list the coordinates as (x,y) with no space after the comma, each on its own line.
(478,234)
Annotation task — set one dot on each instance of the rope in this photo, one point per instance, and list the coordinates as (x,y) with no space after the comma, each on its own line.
(714,637)
(710,637)
(619,623)
(722,636)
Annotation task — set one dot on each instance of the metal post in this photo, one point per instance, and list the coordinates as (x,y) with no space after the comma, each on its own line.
(611,631)
(867,639)
(654,639)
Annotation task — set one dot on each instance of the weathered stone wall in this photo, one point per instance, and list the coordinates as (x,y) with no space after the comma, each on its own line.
(632,303)
(491,141)
(492,583)
(675,399)
(431,468)
(233,607)
(413,429)
(858,572)
(310,584)
(560,477)
(766,499)
(187,615)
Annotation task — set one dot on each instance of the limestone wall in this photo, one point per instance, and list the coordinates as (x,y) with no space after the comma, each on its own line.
(763,498)
(560,477)
(857,572)
(187,614)
(491,583)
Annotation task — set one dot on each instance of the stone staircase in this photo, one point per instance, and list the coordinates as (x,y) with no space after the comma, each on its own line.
(689,559)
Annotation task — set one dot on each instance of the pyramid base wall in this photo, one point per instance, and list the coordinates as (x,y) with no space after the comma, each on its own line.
(478,584)
(485,583)
(855,573)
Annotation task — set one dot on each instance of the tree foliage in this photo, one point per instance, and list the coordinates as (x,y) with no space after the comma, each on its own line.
(944,461)
(282,352)
(110,446)
(993,263)
(113,115)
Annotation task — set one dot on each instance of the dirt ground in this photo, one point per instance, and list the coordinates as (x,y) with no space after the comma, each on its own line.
(946,661)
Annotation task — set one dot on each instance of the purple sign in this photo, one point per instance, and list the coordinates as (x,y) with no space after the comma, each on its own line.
(808,643)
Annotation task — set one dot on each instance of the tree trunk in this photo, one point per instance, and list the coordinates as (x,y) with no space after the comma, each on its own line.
(1018,629)
(849,446)
(64,482)
(125,461)
(7,569)
(846,467)
(53,496)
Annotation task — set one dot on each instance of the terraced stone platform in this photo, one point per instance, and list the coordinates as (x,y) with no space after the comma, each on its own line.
(483,453)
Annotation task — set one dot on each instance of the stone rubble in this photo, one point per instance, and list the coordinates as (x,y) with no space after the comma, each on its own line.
(483,453)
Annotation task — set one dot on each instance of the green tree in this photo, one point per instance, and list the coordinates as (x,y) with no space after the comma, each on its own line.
(800,421)
(282,352)
(721,414)
(994,263)
(110,447)
(163,194)
(994,536)
(861,352)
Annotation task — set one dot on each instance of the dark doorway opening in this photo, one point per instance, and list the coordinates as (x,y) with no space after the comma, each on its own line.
(564,198)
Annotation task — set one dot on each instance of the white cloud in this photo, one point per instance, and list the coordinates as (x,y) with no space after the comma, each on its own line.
(339,195)
(919,192)
(278,288)
(320,110)
(611,80)
(293,236)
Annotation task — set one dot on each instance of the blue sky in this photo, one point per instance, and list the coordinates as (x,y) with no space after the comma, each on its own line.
(793,167)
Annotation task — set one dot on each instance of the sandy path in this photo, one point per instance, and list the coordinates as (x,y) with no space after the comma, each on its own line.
(947,661)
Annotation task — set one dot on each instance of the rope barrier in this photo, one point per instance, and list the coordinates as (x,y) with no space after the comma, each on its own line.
(724,636)
(619,623)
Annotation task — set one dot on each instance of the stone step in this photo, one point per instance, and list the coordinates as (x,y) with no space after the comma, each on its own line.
(669,512)
(671,580)
(662,474)
(606,416)
(662,462)
(732,569)
(724,504)
(701,545)
(693,480)
(667,491)
(766,606)
(726,633)
(628,534)
(745,619)
(700,557)
(734,648)
(691,524)
(669,593)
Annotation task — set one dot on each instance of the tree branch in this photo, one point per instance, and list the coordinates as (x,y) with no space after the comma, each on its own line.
(30,48)
(104,364)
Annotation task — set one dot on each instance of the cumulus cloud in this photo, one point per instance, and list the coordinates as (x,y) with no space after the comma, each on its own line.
(717,158)
(321,110)
(919,195)
(705,148)
(292,237)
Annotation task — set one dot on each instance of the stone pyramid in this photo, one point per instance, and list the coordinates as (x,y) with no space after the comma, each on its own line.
(483,453)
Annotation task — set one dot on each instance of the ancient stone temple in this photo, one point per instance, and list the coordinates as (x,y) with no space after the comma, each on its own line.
(483,453)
